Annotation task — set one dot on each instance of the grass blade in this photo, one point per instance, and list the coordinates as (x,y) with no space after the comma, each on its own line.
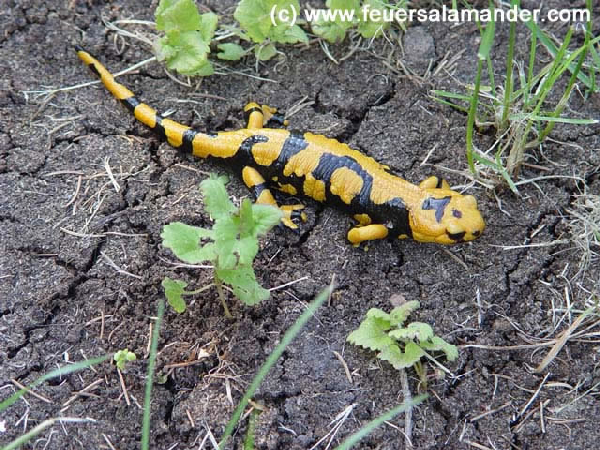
(487,39)
(151,365)
(508,86)
(547,42)
(55,373)
(368,428)
(23,439)
(271,360)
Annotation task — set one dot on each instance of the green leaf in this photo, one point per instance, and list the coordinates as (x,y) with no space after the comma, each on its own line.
(186,44)
(333,27)
(265,217)
(380,314)
(399,314)
(184,242)
(243,282)
(246,248)
(122,357)
(347,9)
(414,330)
(371,334)
(438,344)
(289,35)
(330,31)
(254,17)
(399,359)
(174,290)
(487,38)
(216,198)
(177,14)
(208,26)
(265,52)
(373,28)
(231,52)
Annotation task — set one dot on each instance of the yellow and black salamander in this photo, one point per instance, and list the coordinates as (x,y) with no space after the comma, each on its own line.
(384,205)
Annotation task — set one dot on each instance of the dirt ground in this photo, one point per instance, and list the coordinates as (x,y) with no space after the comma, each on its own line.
(81,261)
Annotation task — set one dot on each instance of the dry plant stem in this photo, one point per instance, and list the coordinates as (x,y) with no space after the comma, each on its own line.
(219,286)
(408,413)
(561,341)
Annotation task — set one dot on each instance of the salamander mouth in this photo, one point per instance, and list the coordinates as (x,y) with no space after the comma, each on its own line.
(458,237)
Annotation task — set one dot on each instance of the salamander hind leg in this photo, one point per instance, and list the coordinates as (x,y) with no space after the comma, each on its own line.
(263,196)
(259,116)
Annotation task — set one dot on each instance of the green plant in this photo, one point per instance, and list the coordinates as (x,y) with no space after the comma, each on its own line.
(265,29)
(517,109)
(122,357)
(369,17)
(230,245)
(186,44)
(402,346)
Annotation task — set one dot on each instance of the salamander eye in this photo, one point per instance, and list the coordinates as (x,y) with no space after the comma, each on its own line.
(456,213)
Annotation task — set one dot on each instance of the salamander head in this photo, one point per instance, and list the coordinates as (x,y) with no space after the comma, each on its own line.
(446,217)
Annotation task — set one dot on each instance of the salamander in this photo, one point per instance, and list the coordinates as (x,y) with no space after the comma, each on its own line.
(324,169)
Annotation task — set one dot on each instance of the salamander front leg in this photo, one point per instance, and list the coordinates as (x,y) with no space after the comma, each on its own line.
(263,196)
(367,233)
(434,182)
(259,116)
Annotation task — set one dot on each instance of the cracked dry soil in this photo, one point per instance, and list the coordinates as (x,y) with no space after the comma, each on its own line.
(65,227)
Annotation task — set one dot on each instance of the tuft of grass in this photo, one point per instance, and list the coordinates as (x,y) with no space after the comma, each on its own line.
(518,109)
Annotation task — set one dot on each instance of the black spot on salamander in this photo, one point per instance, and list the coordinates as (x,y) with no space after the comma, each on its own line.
(257,189)
(130,103)
(92,67)
(399,217)
(456,213)
(243,156)
(187,140)
(293,144)
(250,111)
(158,126)
(277,118)
(437,204)
(329,163)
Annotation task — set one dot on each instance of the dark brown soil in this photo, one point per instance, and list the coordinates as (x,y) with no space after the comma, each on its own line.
(62,300)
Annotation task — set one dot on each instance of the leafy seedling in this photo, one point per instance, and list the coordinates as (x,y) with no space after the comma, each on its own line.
(262,24)
(402,346)
(230,245)
(122,357)
(342,15)
(186,44)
